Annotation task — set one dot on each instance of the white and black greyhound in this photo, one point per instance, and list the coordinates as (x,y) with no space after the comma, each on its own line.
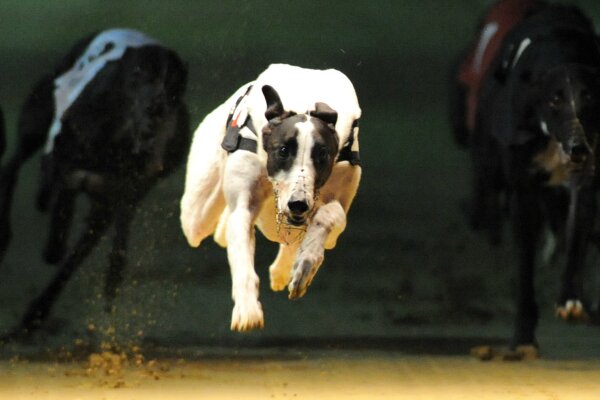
(281,154)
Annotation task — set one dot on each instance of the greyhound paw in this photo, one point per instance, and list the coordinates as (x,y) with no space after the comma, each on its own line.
(303,273)
(520,353)
(247,315)
(571,310)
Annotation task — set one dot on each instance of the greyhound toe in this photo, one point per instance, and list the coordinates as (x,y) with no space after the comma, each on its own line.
(247,315)
(572,310)
(297,287)
(278,282)
(303,273)
(279,278)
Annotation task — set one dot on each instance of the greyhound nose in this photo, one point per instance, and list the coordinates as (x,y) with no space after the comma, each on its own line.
(298,207)
(579,152)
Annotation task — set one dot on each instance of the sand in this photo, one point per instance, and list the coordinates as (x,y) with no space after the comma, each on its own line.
(316,374)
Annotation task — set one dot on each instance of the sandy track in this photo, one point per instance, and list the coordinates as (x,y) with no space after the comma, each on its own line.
(322,375)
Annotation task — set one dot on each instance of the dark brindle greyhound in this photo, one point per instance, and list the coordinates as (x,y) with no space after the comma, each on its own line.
(533,142)
(112,121)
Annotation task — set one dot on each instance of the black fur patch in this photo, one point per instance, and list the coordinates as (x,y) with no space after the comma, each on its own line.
(282,144)
(324,150)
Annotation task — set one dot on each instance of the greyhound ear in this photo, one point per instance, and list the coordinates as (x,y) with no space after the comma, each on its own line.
(274,104)
(324,113)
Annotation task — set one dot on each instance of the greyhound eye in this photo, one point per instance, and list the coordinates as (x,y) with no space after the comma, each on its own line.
(555,101)
(283,152)
(321,156)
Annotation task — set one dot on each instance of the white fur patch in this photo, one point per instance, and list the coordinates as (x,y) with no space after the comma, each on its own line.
(488,32)
(355,142)
(544,128)
(306,143)
(69,86)
(299,179)
(522,46)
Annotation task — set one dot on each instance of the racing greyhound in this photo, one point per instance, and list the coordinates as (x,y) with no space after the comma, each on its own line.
(281,154)
(533,143)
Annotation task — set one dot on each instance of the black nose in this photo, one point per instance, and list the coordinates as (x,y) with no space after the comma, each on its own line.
(579,152)
(298,207)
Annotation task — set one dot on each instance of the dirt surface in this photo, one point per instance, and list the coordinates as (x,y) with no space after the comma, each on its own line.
(424,363)
(305,375)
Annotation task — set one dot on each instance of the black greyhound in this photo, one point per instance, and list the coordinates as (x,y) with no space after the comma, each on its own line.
(534,147)
(113,121)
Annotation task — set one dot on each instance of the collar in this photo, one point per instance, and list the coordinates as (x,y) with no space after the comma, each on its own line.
(238,120)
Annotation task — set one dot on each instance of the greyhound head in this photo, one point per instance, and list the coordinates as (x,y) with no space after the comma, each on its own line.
(152,86)
(568,110)
(301,151)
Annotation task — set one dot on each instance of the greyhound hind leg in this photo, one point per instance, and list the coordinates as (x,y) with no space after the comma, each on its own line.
(118,254)
(281,269)
(62,216)
(39,309)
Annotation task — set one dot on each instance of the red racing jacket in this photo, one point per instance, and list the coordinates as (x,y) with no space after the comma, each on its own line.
(498,21)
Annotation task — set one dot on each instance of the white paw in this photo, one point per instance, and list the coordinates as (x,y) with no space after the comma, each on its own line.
(572,310)
(303,273)
(247,315)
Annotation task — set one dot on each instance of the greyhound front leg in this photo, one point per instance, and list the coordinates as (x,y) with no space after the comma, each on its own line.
(99,219)
(329,217)
(582,210)
(247,311)
(526,225)
(243,193)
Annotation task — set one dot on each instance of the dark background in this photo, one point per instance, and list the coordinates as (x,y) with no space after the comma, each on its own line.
(406,261)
